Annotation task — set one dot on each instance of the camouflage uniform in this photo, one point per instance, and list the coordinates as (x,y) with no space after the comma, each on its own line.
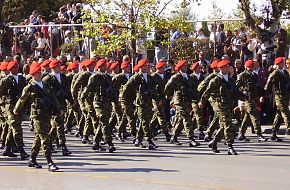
(11,91)
(43,101)
(100,88)
(249,84)
(279,83)
(137,85)
(62,92)
(184,93)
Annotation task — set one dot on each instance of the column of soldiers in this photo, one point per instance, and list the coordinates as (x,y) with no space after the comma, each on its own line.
(100,100)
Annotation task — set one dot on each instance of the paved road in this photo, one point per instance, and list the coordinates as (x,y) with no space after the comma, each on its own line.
(258,166)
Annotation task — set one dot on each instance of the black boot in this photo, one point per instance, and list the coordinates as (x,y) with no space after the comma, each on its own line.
(213,145)
(201,135)
(151,145)
(98,147)
(126,135)
(111,147)
(138,143)
(65,151)
(23,154)
(174,140)
(242,137)
(52,167)
(207,138)
(231,150)
(193,142)
(167,136)
(7,152)
(287,132)
(275,138)
(85,139)
(261,138)
(32,163)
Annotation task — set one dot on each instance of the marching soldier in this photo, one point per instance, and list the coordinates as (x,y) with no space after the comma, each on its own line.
(100,88)
(59,85)
(119,81)
(198,112)
(279,83)
(85,123)
(11,88)
(181,88)
(222,88)
(43,101)
(159,117)
(141,85)
(212,102)
(248,83)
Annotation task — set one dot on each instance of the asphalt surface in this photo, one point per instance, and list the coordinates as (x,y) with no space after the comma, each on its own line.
(258,166)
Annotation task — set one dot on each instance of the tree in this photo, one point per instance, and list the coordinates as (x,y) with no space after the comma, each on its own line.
(267,24)
(132,20)
(18,10)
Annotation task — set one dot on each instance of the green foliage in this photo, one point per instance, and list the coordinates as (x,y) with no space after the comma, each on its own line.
(18,10)
(189,48)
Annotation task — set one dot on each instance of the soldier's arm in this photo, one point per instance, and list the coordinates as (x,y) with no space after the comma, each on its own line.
(269,83)
(129,86)
(21,101)
(211,87)
(76,86)
(169,87)
(89,88)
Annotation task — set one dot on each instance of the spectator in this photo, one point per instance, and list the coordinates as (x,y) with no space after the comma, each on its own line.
(42,44)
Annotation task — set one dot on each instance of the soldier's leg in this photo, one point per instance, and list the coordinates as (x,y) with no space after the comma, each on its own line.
(14,122)
(59,124)
(103,114)
(285,113)
(145,116)
(88,128)
(131,118)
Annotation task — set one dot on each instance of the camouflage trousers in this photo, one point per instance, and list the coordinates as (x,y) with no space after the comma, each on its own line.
(144,114)
(41,139)
(251,116)
(57,129)
(159,117)
(116,117)
(183,119)
(282,113)
(15,133)
(128,117)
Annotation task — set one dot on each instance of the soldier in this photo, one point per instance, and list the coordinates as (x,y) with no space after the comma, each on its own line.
(248,83)
(212,103)
(100,88)
(198,113)
(141,85)
(42,101)
(85,124)
(72,112)
(4,117)
(45,68)
(11,88)
(159,117)
(223,89)
(59,85)
(119,81)
(279,83)
(181,88)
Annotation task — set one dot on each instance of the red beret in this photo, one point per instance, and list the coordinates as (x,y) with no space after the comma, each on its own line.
(214,64)
(89,62)
(83,63)
(136,68)
(11,64)
(54,63)
(73,65)
(180,64)
(62,67)
(109,64)
(223,63)
(45,63)
(100,63)
(69,68)
(278,60)
(3,66)
(142,62)
(194,65)
(250,63)
(114,64)
(125,64)
(160,64)
(34,68)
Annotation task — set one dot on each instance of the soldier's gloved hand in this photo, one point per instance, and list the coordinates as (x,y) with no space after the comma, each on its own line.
(200,105)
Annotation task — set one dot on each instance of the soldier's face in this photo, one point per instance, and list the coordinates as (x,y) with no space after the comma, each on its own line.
(56,69)
(281,65)
(252,68)
(14,70)
(224,70)
(127,69)
(145,68)
(37,76)
(183,68)
(103,68)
